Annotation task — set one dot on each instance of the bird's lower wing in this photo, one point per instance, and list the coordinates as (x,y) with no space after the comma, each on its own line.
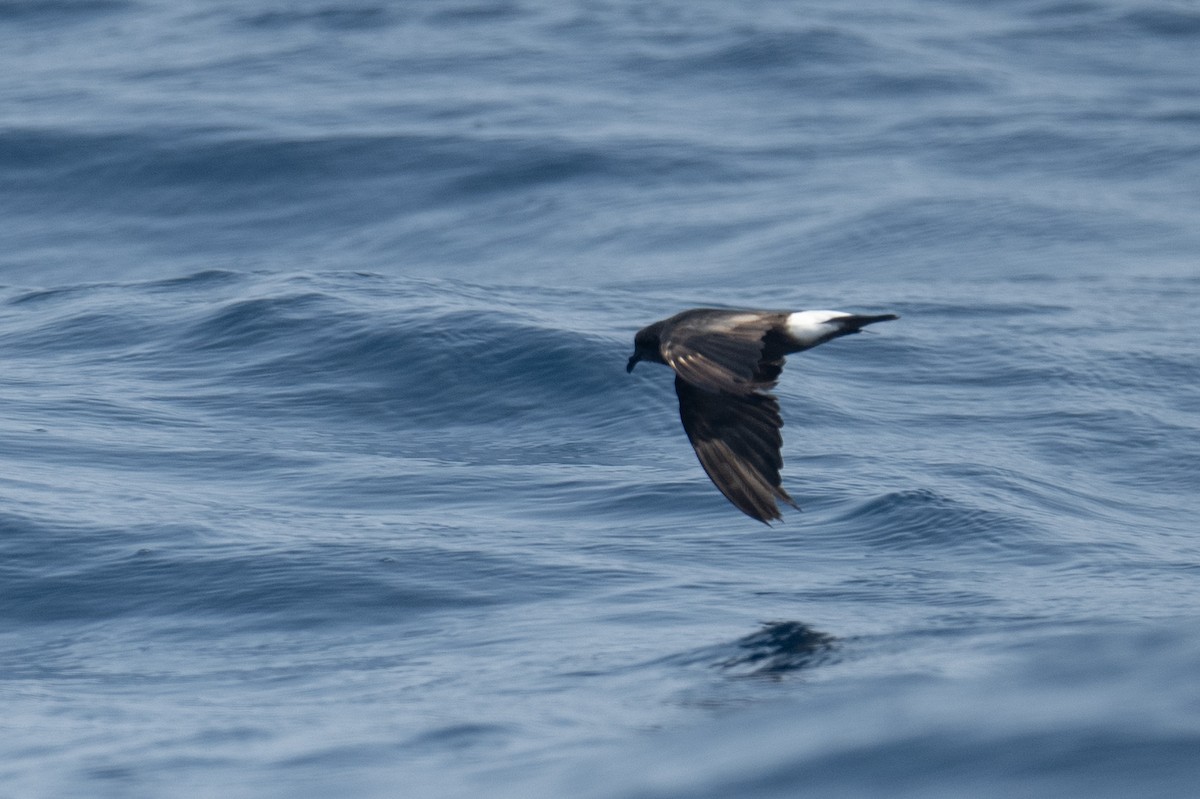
(737,439)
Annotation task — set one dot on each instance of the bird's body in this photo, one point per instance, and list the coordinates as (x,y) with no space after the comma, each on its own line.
(725,363)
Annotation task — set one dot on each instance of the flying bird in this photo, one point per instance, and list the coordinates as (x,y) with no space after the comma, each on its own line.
(726,362)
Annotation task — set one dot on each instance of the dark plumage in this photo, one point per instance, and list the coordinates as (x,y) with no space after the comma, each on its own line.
(726,362)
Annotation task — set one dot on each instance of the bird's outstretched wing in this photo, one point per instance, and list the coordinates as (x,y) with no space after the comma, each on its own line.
(725,351)
(737,439)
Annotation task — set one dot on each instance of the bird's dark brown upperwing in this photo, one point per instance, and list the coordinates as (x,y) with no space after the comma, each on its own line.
(737,439)
(724,350)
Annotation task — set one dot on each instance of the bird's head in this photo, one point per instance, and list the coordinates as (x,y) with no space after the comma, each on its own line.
(645,347)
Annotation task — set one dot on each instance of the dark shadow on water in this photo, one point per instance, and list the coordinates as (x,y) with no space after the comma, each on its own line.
(777,649)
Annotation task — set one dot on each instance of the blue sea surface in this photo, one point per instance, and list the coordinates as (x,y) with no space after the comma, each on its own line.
(321,475)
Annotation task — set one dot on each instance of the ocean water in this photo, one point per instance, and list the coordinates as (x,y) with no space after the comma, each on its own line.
(320,472)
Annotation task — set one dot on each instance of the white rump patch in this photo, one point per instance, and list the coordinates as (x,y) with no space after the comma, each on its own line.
(809,327)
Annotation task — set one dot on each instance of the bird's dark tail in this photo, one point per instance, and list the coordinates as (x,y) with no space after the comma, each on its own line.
(856,322)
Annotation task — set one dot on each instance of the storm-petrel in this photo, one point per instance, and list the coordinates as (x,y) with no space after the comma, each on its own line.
(725,362)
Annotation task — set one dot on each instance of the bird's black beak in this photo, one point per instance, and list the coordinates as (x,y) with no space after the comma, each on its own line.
(633,359)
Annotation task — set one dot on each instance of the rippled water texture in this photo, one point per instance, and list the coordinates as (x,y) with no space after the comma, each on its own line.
(320,472)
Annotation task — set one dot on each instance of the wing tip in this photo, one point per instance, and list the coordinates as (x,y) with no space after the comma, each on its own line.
(774,514)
